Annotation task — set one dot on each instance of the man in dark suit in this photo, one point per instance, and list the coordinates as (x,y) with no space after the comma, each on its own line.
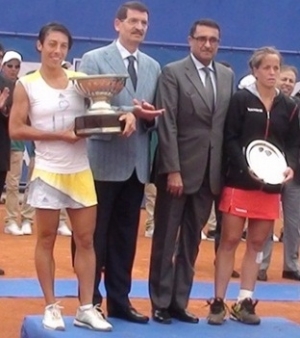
(121,165)
(195,93)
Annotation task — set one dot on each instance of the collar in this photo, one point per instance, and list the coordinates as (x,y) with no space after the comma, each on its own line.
(124,52)
(200,65)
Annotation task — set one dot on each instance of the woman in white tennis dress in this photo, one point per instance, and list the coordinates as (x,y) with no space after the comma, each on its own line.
(44,109)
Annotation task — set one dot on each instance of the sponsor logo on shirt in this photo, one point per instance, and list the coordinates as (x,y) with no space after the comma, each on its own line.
(255,110)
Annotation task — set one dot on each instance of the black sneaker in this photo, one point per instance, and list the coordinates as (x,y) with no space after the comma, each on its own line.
(217,311)
(244,312)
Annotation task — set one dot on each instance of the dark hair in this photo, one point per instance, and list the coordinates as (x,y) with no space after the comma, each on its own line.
(55,27)
(135,5)
(285,68)
(204,22)
(2,48)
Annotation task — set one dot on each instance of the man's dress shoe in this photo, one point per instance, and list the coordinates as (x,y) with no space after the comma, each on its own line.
(294,275)
(161,316)
(184,316)
(128,313)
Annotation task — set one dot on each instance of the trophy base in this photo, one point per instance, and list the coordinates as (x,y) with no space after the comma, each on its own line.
(93,124)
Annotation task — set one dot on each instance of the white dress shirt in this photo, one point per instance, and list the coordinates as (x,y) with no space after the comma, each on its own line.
(199,66)
(125,53)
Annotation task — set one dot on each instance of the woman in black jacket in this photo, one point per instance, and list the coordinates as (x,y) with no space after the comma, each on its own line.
(258,112)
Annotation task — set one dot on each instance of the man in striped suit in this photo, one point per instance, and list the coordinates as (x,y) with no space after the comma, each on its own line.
(121,165)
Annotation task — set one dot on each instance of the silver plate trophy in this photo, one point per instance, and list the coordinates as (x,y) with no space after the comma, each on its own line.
(100,117)
(266,161)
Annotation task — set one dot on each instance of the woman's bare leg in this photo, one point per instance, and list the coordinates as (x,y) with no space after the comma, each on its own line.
(231,233)
(83,224)
(47,223)
(258,232)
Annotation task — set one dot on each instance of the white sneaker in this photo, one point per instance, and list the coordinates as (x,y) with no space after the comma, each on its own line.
(52,318)
(26,227)
(63,229)
(149,232)
(93,319)
(275,238)
(13,229)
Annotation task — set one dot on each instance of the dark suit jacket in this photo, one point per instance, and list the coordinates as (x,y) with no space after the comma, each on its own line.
(190,134)
(4,136)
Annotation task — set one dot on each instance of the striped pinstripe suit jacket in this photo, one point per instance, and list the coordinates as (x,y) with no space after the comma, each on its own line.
(112,157)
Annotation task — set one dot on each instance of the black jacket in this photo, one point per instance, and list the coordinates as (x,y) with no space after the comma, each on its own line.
(297,171)
(247,120)
(4,136)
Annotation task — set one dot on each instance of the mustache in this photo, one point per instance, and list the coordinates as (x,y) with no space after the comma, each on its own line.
(138,32)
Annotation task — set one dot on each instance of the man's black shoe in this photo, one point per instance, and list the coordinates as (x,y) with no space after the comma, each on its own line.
(262,275)
(2,273)
(183,316)
(130,314)
(161,316)
(294,275)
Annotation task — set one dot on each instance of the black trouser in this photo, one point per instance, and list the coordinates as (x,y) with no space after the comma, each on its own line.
(2,181)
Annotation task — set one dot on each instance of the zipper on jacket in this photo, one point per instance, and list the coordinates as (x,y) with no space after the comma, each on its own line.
(268,125)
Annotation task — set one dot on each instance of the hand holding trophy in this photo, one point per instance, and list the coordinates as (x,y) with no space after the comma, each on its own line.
(101,117)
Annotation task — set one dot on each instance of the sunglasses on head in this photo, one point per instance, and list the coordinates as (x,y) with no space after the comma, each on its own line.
(14,66)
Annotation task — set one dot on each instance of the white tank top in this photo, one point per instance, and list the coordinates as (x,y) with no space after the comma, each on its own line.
(53,110)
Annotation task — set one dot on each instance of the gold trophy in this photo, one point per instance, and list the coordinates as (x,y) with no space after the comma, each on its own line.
(100,118)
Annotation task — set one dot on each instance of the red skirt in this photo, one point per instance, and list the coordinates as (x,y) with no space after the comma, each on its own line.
(255,204)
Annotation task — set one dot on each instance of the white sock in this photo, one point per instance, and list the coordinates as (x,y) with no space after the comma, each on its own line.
(244,294)
(49,306)
(85,307)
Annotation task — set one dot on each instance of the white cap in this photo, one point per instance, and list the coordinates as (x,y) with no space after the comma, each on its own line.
(11,55)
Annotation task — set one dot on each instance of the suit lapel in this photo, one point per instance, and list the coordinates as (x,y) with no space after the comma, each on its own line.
(116,63)
(193,76)
(220,84)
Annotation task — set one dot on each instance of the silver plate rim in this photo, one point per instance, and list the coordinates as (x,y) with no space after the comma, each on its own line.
(274,149)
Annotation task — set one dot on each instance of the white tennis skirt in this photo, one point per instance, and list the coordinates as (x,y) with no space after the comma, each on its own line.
(57,191)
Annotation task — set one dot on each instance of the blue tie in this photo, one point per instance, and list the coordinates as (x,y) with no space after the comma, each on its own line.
(131,71)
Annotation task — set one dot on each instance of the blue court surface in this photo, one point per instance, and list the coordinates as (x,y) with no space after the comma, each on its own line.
(29,288)
(270,327)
